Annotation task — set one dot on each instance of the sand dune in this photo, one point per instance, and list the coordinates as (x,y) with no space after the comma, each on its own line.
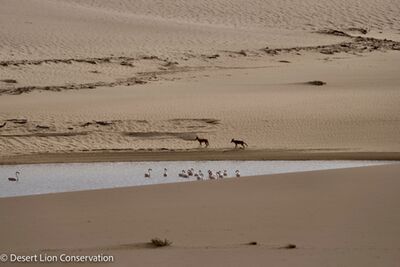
(269,106)
(75,30)
(289,14)
(94,80)
(48,29)
(246,64)
(90,73)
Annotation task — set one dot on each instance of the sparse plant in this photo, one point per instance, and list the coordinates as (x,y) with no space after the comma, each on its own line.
(9,81)
(289,246)
(316,83)
(158,242)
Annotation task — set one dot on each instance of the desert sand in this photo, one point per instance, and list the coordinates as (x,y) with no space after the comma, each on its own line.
(122,80)
(148,76)
(268,106)
(346,217)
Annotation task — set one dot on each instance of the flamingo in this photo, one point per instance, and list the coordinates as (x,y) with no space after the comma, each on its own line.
(190,172)
(201,175)
(211,175)
(237,173)
(14,179)
(148,173)
(183,174)
(225,173)
(165,172)
(219,175)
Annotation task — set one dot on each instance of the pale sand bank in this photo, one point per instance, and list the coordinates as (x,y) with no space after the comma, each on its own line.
(345,217)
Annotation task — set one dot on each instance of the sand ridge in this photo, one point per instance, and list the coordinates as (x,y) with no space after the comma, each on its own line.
(154,68)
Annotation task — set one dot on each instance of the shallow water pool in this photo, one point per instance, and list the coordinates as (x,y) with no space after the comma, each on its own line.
(52,178)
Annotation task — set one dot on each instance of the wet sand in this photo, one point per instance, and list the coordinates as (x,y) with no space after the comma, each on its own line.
(191,155)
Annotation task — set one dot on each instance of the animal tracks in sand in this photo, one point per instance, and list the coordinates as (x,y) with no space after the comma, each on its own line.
(102,134)
(73,73)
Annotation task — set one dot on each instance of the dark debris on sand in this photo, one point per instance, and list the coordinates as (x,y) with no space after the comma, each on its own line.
(316,83)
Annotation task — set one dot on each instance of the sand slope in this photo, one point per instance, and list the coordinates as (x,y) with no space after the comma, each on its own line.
(357,111)
(286,14)
(337,217)
(162,72)
(47,29)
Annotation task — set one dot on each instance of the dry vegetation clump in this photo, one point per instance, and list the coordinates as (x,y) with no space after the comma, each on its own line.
(9,81)
(289,246)
(158,242)
(316,83)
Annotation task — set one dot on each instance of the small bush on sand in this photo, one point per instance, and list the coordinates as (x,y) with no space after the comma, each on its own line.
(289,246)
(9,81)
(157,242)
(316,83)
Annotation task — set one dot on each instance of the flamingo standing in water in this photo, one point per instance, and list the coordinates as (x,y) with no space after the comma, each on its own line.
(201,175)
(148,173)
(211,175)
(183,174)
(165,172)
(190,172)
(225,173)
(237,173)
(14,179)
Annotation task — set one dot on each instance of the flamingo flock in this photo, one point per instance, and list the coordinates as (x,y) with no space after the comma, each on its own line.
(183,174)
(198,175)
